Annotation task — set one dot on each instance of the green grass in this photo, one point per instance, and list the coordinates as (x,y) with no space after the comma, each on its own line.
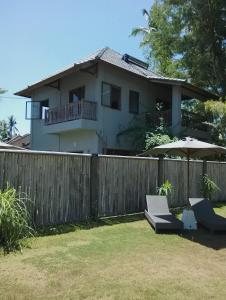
(120,258)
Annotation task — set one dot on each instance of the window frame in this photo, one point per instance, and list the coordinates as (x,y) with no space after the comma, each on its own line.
(115,86)
(138,108)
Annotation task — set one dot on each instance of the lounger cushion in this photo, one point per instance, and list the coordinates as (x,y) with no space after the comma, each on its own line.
(159,216)
(206,216)
(164,222)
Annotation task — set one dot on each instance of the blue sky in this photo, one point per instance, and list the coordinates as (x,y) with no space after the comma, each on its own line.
(41,37)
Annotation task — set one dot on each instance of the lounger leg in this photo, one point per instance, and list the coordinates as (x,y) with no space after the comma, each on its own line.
(156,230)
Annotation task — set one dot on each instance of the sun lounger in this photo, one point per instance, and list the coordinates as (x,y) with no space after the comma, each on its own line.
(206,216)
(159,216)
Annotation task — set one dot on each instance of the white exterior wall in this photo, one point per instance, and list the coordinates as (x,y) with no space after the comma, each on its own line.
(109,121)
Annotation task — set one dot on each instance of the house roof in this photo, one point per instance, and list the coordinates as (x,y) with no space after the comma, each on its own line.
(114,58)
(7,146)
(22,141)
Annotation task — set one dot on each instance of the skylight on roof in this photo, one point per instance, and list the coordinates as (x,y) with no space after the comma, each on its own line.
(130,59)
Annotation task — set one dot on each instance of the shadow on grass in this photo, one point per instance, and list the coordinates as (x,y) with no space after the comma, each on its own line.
(86,225)
(202,236)
(218,204)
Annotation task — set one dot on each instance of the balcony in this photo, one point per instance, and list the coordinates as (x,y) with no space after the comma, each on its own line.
(85,110)
(73,116)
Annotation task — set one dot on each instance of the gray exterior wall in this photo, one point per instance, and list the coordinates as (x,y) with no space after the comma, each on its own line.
(103,132)
(85,140)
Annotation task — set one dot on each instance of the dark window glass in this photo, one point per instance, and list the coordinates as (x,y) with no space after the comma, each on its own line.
(44,106)
(77,94)
(133,102)
(111,95)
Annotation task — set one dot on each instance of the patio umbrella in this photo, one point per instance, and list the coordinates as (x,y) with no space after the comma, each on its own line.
(189,148)
(8,146)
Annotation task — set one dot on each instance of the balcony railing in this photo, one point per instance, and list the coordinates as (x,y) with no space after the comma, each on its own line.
(72,111)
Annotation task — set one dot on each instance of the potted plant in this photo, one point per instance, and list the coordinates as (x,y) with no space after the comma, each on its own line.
(165,189)
(209,187)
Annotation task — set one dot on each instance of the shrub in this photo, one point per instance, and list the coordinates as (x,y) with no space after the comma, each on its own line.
(208,187)
(165,188)
(14,220)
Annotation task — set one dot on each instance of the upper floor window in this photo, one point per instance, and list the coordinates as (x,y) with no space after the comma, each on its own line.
(77,94)
(36,110)
(111,95)
(134,102)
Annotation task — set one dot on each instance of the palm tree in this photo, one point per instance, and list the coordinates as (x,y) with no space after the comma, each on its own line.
(12,129)
(145,31)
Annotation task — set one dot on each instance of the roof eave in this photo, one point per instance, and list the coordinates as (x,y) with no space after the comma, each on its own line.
(187,85)
(76,67)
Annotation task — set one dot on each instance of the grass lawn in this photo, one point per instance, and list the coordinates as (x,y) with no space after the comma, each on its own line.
(121,259)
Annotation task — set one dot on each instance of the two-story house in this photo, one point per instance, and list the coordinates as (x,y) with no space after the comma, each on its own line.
(84,107)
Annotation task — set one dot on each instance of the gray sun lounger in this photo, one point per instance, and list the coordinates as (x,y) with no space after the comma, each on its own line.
(206,216)
(159,216)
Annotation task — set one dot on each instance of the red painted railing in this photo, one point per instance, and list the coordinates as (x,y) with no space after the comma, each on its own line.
(72,111)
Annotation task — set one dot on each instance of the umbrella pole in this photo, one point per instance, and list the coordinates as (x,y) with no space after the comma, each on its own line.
(188,171)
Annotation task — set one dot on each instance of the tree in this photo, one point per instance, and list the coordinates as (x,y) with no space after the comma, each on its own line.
(12,129)
(8,128)
(216,116)
(3,130)
(187,39)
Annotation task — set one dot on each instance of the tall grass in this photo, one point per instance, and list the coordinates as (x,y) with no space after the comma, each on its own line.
(14,220)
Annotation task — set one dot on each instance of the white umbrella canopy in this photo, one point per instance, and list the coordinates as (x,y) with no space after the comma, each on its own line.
(8,146)
(189,148)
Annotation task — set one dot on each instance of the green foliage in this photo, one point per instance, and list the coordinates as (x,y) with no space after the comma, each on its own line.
(209,187)
(3,130)
(8,128)
(165,189)
(156,139)
(14,220)
(216,119)
(193,106)
(186,39)
(158,136)
(144,136)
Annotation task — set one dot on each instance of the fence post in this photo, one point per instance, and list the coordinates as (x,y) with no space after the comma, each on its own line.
(204,167)
(160,171)
(94,185)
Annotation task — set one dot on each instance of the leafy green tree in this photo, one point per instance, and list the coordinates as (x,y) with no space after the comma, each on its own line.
(187,39)
(8,128)
(216,118)
(3,130)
